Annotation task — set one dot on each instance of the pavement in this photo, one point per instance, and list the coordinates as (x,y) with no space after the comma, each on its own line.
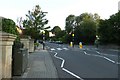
(40,65)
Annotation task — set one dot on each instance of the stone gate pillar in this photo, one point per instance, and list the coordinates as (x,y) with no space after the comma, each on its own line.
(25,41)
(31,45)
(6,42)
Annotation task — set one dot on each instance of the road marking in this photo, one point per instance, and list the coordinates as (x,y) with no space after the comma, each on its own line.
(72,73)
(105,54)
(86,53)
(59,49)
(47,47)
(114,50)
(63,61)
(66,48)
(100,56)
(52,49)
(109,59)
(59,45)
(98,52)
(117,63)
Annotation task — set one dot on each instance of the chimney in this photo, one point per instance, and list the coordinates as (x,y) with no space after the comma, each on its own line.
(119,6)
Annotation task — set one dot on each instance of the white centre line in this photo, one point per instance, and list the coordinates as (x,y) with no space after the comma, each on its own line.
(63,61)
(72,73)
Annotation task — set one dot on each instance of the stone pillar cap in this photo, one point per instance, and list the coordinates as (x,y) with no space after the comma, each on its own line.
(7,36)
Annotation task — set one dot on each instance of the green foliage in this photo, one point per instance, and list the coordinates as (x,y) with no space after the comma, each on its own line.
(9,26)
(85,26)
(59,34)
(46,34)
(56,30)
(35,22)
(36,44)
(109,30)
(69,23)
(86,32)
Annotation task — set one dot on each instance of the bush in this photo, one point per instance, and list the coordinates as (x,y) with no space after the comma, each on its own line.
(9,26)
(36,44)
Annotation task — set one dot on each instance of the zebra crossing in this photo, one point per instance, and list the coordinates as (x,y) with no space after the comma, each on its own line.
(59,49)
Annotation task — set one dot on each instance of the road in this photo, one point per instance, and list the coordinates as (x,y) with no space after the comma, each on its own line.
(87,63)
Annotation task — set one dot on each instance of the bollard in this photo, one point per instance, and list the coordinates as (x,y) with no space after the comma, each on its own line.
(71,44)
(80,45)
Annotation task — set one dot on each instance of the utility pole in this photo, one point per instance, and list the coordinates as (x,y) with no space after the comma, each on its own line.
(119,6)
(119,49)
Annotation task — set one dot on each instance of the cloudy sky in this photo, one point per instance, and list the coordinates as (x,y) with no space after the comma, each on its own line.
(58,10)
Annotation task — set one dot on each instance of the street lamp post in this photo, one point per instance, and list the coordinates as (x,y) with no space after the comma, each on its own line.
(43,40)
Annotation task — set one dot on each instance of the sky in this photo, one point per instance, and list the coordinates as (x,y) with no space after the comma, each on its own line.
(58,10)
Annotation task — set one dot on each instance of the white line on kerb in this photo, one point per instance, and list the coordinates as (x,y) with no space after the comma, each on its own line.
(63,61)
(72,74)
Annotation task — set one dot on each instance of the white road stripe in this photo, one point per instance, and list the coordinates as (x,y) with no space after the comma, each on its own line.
(52,49)
(98,52)
(117,63)
(100,56)
(59,45)
(114,50)
(109,59)
(65,48)
(105,54)
(86,53)
(63,61)
(59,49)
(72,73)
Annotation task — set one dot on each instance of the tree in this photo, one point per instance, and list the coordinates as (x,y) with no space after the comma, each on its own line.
(69,23)
(88,31)
(56,30)
(35,22)
(109,29)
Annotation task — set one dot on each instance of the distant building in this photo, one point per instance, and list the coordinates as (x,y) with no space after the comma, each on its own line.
(51,34)
(119,6)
